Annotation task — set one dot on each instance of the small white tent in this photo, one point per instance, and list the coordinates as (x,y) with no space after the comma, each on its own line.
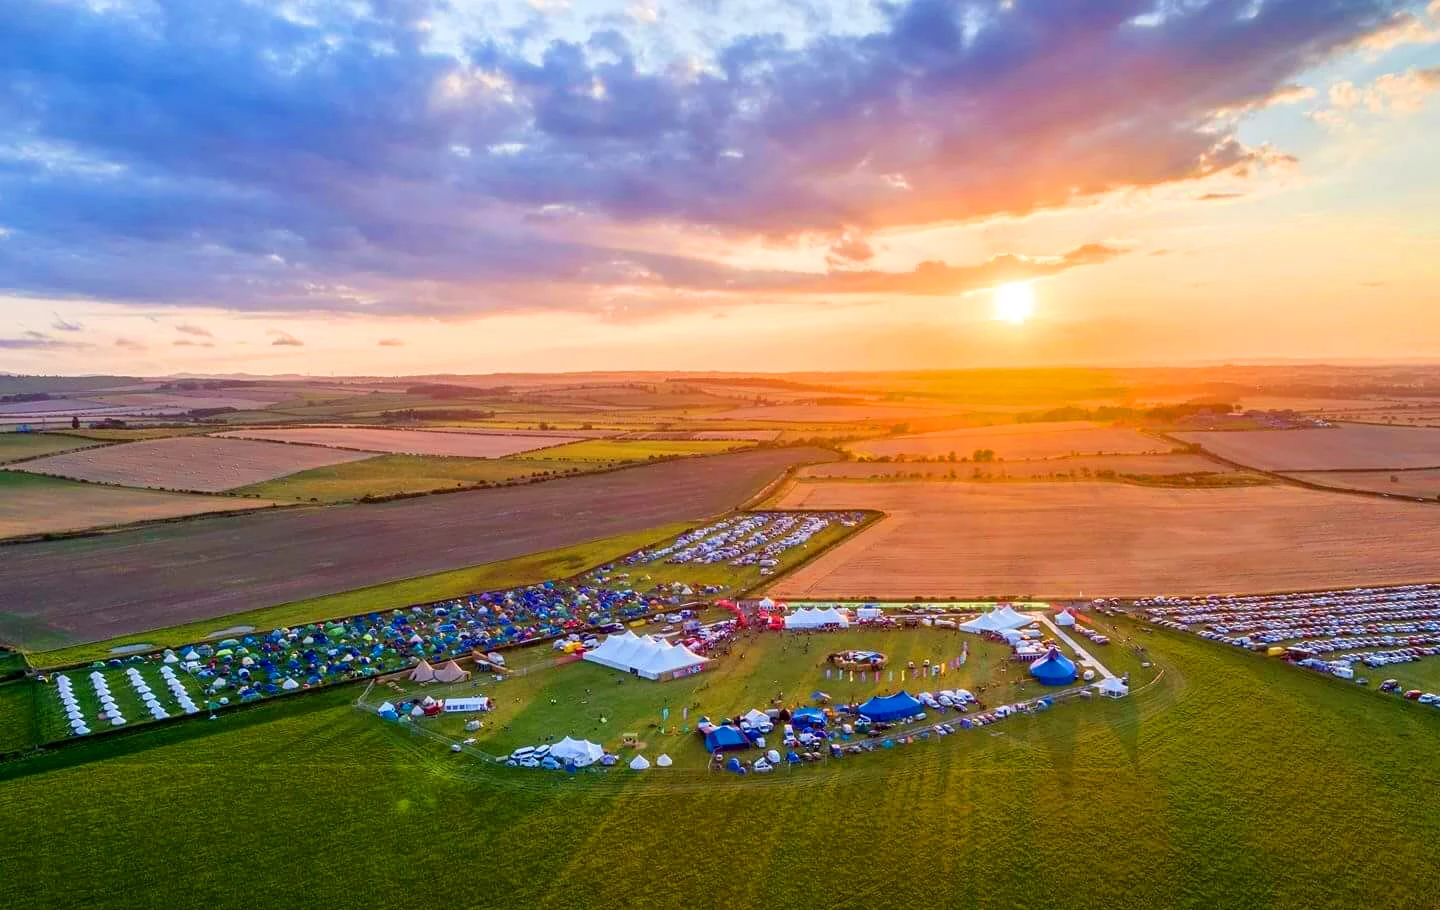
(639,763)
(756,718)
(663,761)
(1064,618)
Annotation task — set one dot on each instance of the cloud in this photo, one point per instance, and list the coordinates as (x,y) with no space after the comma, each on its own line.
(129,344)
(191,343)
(351,161)
(60,325)
(285,339)
(1216,197)
(1394,94)
(38,341)
(390,343)
(195,330)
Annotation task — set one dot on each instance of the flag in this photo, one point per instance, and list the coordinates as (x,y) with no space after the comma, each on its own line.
(664,713)
(685,713)
(902,675)
(892,675)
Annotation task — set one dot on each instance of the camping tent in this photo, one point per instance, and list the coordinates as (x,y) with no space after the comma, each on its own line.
(664,761)
(816,619)
(724,738)
(1113,688)
(756,718)
(892,707)
(1054,669)
(451,672)
(808,717)
(423,672)
(647,657)
(997,620)
(639,763)
(581,752)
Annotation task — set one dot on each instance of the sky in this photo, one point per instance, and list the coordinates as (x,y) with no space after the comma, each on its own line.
(412,186)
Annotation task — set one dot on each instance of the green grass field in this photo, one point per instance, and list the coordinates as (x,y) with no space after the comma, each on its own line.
(524,570)
(617,450)
(17,446)
(388,475)
(1232,782)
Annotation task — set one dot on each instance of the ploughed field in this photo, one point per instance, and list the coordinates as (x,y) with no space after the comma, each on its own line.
(1014,442)
(195,463)
(82,590)
(1078,467)
(1068,539)
(35,504)
(1343,447)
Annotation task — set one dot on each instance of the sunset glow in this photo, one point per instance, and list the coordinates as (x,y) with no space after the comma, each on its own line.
(1014,303)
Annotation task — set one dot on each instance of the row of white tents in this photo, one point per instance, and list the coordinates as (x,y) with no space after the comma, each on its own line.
(807,618)
(446,673)
(645,656)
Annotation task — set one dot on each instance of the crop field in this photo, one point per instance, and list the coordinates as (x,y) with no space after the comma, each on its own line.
(831,413)
(619,450)
(1344,447)
(1017,442)
(1417,484)
(1081,467)
(1069,539)
(83,590)
(32,504)
(15,446)
(1166,779)
(134,434)
(406,442)
(194,463)
(388,475)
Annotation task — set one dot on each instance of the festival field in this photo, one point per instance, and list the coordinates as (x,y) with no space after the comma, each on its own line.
(1057,540)
(1165,780)
(1016,442)
(1345,447)
(191,463)
(32,504)
(407,442)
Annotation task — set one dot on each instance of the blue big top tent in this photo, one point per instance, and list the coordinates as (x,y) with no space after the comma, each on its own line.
(892,707)
(808,717)
(1054,669)
(726,737)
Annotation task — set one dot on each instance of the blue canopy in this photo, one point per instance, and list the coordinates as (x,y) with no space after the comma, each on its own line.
(1054,669)
(726,737)
(808,717)
(892,707)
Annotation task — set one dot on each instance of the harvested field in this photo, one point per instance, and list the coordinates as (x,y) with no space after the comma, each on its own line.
(1018,442)
(90,589)
(179,401)
(1418,484)
(197,463)
(34,504)
(408,442)
(751,435)
(1062,540)
(620,450)
(1142,465)
(830,413)
(1347,446)
(15,446)
(389,475)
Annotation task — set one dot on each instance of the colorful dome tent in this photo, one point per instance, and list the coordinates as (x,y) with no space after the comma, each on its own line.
(1054,669)
(892,707)
(722,739)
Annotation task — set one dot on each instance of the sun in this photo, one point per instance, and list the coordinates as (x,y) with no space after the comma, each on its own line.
(1014,303)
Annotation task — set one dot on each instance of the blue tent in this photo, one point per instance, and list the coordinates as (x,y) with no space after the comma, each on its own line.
(726,737)
(892,707)
(808,717)
(1054,669)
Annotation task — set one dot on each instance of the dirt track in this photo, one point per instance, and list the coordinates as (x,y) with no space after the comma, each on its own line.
(96,588)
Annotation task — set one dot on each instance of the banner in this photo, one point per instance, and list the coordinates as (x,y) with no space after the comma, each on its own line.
(664,714)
